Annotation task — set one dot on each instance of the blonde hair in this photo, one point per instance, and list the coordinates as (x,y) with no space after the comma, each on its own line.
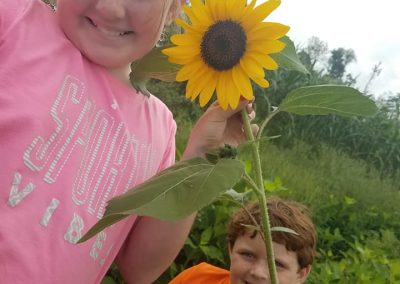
(174,10)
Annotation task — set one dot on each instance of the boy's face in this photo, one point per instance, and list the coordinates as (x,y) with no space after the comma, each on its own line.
(249,262)
(113,33)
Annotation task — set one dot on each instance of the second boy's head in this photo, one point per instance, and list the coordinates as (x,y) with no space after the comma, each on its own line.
(114,33)
(294,254)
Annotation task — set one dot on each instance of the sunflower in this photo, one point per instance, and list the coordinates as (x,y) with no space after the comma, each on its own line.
(226,44)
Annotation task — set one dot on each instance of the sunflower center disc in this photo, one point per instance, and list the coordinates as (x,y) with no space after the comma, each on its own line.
(223,44)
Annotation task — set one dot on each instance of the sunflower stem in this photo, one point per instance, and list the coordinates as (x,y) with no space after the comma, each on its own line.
(266,227)
(250,183)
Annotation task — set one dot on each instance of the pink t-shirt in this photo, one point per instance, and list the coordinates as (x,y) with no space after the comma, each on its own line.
(71,138)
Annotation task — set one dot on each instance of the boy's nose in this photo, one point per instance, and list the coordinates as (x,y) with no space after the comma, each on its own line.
(111,9)
(260,272)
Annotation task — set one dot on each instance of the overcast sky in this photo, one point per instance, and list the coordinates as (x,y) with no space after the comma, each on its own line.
(370,28)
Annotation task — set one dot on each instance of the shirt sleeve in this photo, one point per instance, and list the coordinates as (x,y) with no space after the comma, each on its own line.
(184,276)
(10,12)
(202,273)
(169,154)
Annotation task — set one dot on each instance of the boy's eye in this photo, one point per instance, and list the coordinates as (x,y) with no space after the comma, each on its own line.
(247,254)
(279,264)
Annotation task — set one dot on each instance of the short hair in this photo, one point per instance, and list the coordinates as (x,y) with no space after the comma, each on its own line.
(282,213)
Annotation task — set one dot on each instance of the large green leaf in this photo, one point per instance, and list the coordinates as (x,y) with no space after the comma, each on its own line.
(328,99)
(288,58)
(174,193)
(154,65)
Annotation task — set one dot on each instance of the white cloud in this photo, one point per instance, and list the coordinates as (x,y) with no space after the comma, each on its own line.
(368,27)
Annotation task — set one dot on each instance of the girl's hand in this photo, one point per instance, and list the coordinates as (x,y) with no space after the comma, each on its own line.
(217,127)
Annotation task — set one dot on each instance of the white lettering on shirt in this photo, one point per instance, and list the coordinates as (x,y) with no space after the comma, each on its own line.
(49,212)
(97,245)
(43,151)
(15,195)
(74,232)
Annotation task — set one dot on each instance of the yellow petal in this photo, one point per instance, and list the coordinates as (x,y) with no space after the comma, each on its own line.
(261,82)
(256,73)
(257,15)
(204,77)
(193,84)
(196,22)
(187,71)
(220,8)
(251,67)
(201,12)
(187,27)
(242,82)
(208,91)
(248,9)
(265,60)
(182,51)
(222,95)
(232,91)
(266,46)
(229,4)
(186,39)
(211,9)
(237,9)
(267,31)
(190,86)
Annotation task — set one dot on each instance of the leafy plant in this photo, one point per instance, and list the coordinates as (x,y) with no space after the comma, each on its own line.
(190,185)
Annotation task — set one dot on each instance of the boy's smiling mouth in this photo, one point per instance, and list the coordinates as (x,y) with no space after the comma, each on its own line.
(107,31)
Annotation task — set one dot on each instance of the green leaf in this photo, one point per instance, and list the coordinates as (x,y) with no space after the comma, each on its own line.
(234,196)
(102,224)
(275,185)
(186,187)
(154,65)
(273,229)
(349,201)
(251,227)
(108,280)
(206,236)
(174,193)
(212,252)
(288,58)
(284,230)
(140,85)
(328,99)
(248,166)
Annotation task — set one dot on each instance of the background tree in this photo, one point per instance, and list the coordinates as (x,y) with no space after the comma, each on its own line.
(338,61)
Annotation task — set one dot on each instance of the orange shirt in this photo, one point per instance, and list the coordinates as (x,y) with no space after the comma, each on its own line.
(202,273)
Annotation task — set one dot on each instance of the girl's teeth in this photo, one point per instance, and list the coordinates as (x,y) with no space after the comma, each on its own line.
(108,32)
(111,33)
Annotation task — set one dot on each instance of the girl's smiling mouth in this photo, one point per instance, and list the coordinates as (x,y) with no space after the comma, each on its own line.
(108,31)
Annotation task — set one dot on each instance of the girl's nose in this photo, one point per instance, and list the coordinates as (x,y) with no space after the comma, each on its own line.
(111,9)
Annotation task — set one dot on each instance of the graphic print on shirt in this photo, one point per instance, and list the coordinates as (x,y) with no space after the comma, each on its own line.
(108,149)
(111,161)
(49,212)
(16,193)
